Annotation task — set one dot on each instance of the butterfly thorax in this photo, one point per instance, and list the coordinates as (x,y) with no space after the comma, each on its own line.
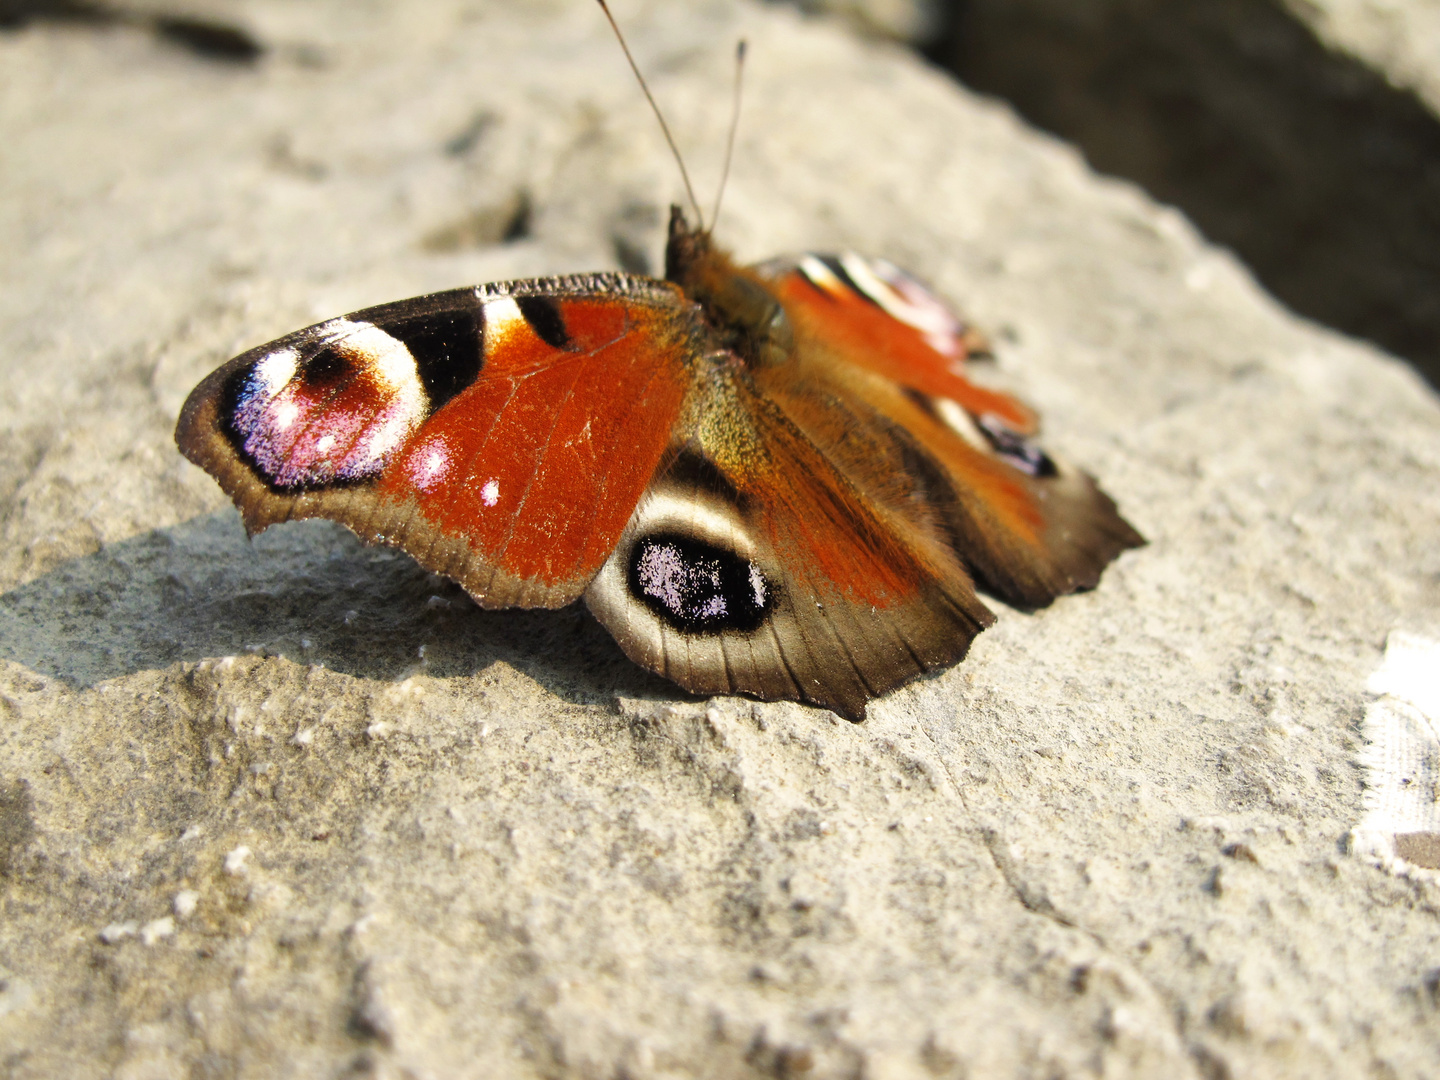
(743,313)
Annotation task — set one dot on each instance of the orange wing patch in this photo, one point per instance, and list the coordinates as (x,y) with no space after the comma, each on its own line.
(502,438)
(929,357)
(523,464)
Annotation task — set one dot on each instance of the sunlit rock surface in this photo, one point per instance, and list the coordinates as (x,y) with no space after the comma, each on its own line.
(292,807)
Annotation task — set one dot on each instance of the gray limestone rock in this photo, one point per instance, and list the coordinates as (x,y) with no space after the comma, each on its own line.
(295,808)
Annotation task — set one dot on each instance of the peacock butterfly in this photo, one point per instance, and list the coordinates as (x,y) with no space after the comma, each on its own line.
(772,480)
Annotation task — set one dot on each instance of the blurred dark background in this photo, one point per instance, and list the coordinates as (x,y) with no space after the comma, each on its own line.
(1319,174)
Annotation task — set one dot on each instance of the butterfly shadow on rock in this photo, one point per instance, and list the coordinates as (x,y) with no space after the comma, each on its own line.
(310,593)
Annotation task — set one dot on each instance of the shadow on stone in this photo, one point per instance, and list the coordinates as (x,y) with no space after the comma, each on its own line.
(307,591)
(1322,176)
(207,38)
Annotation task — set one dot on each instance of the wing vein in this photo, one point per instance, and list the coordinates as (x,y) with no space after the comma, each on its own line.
(542,453)
(845,649)
(784,660)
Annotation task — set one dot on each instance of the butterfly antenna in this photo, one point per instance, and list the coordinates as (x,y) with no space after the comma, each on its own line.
(734,124)
(684,174)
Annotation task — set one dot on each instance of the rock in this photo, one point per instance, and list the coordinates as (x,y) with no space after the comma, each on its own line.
(1111,842)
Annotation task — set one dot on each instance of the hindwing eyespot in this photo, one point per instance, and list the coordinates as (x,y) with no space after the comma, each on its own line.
(696,587)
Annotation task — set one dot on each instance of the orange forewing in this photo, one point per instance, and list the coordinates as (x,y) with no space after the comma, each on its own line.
(866,336)
(519,484)
(537,480)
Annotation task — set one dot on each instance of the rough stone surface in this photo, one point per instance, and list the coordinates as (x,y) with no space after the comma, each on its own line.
(293,808)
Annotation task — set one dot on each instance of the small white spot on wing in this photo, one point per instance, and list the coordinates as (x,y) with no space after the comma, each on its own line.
(490,493)
(285,414)
(273,372)
(384,439)
(430,465)
(503,319)
(961,422)
(821,275)
(903,298)
(757,585)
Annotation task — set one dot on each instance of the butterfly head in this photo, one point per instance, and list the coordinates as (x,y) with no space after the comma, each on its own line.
(745,315)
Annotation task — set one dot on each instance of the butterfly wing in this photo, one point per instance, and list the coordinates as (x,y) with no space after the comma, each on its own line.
(501,435)
(802,530)
(754,565)
(536,440)
(877,381)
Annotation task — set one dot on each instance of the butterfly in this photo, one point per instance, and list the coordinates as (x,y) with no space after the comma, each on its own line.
(772,480)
